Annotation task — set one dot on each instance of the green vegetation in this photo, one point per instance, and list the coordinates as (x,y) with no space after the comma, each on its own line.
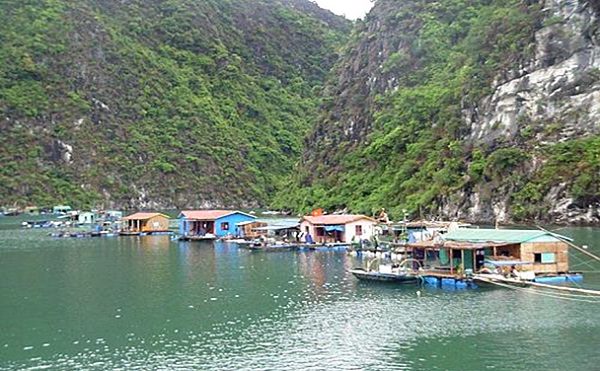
(572,167)
(176,102)
(173,103)
(418,155)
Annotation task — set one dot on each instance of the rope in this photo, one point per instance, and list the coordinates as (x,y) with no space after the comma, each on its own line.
(571,297)
(578,248)
(542,285)
(581,261)
(571,244)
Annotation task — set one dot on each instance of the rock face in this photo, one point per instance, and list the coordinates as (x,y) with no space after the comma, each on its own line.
(486,113)
(558,89)
(560,84)
(359,77)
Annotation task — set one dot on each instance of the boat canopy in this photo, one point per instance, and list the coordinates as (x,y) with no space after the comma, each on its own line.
(504,263)
(331,228)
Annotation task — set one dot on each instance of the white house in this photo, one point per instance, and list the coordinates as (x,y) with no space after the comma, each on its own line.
(86,217)
(338,228)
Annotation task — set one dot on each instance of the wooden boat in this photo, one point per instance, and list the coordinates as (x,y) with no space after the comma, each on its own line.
(274,247)
(331,246)
(206,237)
(129,233)
(401,272)
(395,277)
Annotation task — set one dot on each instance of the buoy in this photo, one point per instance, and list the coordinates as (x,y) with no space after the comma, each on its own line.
(418,293)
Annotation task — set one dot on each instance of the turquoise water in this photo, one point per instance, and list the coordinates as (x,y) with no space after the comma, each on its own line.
(150,303)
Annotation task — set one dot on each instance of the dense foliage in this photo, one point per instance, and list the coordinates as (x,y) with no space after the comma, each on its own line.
(177,102)
(442,57)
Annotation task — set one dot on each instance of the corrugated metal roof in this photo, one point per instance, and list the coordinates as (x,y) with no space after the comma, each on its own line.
(499,235)
(456,245)
(335,219)
(210,214)
(143,216)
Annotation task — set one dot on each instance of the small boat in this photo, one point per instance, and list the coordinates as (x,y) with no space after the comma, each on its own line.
(274,247)
(396,273)
(204,237)
(396,277)
(129,233)
(331,246)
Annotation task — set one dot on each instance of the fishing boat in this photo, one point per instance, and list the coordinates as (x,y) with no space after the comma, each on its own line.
(401,272)
(204,237)
(330,246)
(274,247)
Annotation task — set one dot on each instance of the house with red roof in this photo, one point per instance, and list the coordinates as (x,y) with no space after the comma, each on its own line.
(219,223)
(145,223)
(338,228)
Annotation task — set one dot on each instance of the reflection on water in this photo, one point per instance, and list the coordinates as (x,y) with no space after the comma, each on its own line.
(149,302)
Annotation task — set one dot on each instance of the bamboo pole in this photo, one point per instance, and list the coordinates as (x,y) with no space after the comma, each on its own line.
(536,284)
(572,244)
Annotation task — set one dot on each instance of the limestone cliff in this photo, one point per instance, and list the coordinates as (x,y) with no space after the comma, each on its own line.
(554,97)
(479,110)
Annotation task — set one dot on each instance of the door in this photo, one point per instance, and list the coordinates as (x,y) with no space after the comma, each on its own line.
(479,259)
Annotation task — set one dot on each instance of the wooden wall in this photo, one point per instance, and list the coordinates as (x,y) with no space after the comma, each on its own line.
(157,223)
(560,249)
(247,230)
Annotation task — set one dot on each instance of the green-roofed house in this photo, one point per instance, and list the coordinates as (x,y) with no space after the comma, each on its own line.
(545,252)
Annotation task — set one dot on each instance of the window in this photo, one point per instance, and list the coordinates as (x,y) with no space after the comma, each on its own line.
(320,231)
(225,226)
(358,230)
(544,258)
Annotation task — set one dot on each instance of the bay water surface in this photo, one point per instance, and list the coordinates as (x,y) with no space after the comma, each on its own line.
(140,303)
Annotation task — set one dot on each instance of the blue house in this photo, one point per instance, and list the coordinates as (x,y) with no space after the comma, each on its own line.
(217,222)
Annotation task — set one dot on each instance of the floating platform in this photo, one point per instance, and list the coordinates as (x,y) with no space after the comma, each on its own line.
(293,246)
(83,234)
(447,281)
(563,278)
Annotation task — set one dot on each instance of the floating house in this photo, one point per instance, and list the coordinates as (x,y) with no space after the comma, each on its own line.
(337,228)
(453,258)
(539,251)
(145,223)
(86,217)
(219,223)
(61,209)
